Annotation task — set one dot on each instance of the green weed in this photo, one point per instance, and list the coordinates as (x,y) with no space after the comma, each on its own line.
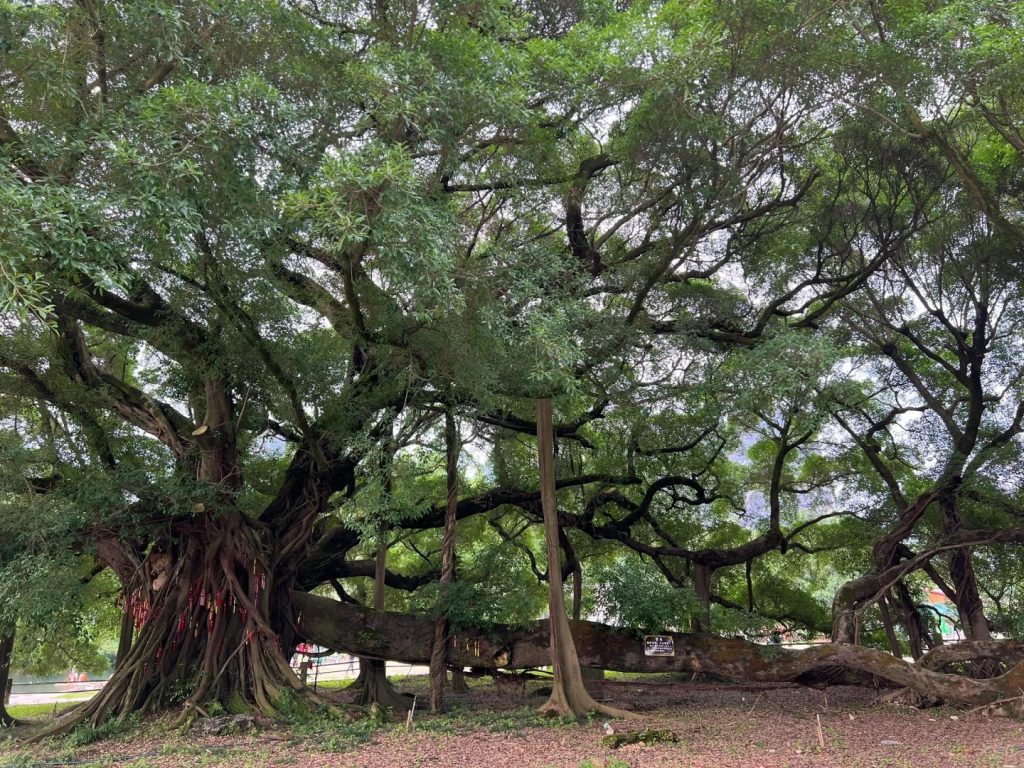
(86,733)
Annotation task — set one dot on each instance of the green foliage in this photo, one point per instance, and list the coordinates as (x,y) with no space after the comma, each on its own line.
(634,594)
(480,604)
(332,733)
(60,622)
(181,689)
(86,733)
(765,259)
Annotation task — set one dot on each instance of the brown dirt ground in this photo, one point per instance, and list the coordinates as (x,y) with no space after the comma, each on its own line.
(718,726)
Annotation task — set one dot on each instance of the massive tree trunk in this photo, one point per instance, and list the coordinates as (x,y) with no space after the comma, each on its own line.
(459,684)
(208,617)
(854,595)
(968,596)
(568,694)
(377,690)
(406,638)
(972,611)
(6,652)
(845,604)
(439,647)
(211,604)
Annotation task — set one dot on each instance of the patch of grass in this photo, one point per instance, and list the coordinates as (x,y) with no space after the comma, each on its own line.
(28,759)
(330,732)
(409,683)
(612,762)
(645,677)
(61,703)
(26,711)
(200,754)
(835,739)
(347,736)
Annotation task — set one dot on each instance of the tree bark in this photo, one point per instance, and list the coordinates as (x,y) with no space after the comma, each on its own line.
(890,631)
(572,566)
(459,681)
(376,689)
(124,641)
(6,653)
(917,634)
(577,591)
(209,626)
(971,609)
(406,638)
(966,594)
(850,596)
(360,682)
(568,694)
(845,623)
(968,597)
(439,647)
(1010,652)
(702,586)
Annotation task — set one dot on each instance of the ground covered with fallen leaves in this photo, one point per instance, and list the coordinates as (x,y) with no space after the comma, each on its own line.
(716,725)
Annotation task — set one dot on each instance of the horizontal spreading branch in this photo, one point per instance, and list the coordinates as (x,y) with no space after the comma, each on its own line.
(401,637)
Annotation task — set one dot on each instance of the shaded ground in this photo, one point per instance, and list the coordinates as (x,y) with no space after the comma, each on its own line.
(718,726)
